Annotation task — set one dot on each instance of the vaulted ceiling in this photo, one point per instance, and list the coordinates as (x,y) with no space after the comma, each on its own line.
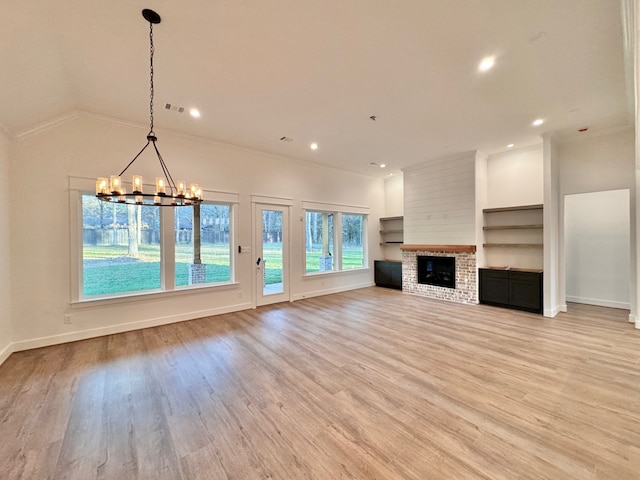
(317,70)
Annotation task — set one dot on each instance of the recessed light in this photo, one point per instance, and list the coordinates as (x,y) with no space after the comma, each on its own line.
(194,112)
(382,165)
(313,146)
(487,63)
(537,122)
(510,145)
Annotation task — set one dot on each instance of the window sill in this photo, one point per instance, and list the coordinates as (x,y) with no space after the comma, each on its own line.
(149,295)
(336,272)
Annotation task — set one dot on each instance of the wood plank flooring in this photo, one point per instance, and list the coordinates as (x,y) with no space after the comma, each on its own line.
(368,384)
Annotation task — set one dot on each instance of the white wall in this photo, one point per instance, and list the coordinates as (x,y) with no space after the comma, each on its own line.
(89,147)
(597,245)
(5,252)
(598,163)
(439,202)
(515,178)
(394,196)
(593,164)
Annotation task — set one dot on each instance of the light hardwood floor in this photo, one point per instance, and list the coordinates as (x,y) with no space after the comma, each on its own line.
(368,384)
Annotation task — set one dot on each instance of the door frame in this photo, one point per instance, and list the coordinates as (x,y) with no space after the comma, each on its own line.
(259,202)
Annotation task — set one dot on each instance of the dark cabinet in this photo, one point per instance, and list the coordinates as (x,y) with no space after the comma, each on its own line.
(388,274)
(519,289)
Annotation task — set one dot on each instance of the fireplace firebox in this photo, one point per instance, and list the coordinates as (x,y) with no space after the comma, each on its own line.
(438,271)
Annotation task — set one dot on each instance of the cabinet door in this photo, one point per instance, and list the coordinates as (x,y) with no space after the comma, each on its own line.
(526,291)
(382,274)
(494,286)
(395,270)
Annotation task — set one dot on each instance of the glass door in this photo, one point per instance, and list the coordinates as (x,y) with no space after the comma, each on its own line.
(272,254)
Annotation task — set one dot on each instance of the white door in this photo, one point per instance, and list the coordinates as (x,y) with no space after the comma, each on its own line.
(272,253)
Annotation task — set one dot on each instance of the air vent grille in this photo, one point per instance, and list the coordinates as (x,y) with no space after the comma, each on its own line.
(286,139)
(173,108)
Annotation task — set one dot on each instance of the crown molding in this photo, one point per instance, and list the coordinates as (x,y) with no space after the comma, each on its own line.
(75,114)
(46,125)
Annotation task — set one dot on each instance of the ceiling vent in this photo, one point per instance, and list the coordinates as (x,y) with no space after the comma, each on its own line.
(286,139)
(173,108)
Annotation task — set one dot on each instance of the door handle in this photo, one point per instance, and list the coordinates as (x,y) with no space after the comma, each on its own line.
(258,261)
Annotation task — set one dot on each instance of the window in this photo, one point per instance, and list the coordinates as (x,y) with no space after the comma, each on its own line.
(202,256)
(329,235)
(352,244)
(319,241)
(121,250)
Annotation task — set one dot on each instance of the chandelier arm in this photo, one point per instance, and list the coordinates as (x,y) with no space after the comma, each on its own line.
(165,169)
(135,158)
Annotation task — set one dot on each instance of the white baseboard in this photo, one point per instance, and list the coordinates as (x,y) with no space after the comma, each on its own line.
(329,291)
(123,327)
(599,302)
(552,312)
(6,352)
(632,318)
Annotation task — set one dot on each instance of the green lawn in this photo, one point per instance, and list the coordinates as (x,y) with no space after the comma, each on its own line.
(108,270)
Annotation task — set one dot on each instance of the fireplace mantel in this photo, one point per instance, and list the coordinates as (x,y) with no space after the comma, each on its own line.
(439,248)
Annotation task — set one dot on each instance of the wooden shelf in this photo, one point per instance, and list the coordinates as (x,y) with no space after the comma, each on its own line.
(392,231)
(513,209)
(384,219)
(513,245)
(390,243)
(514,227)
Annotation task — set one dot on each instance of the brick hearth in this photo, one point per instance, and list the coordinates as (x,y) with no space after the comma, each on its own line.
(466,290)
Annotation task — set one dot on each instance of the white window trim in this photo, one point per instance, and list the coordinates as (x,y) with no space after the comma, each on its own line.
(338,210)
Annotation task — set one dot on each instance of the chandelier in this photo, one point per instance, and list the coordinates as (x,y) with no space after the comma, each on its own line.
(168,193)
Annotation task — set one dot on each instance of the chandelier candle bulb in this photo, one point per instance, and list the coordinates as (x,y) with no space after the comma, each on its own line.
(101,186)
(137,184)
(121,197)
(115,184)
(160,186)
(194,190)
(182,186)
(139,199)
(156,200)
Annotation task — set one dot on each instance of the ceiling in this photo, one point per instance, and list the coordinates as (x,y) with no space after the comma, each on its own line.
(316,70)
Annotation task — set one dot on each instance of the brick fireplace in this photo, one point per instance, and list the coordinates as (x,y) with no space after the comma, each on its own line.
(466,272)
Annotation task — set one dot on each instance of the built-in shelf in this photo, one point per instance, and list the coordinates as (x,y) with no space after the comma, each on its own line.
(513,235)
(513,209)
(391,231)
(514,227)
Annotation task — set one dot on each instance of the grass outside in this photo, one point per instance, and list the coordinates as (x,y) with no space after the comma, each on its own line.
(108,270)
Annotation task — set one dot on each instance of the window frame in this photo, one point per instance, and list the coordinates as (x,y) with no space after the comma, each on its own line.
(79,186)
(338,211)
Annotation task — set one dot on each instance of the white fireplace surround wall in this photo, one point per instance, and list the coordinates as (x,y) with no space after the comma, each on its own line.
(466,290)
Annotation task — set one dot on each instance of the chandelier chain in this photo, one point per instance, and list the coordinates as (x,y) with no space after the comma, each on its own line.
(151,91)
